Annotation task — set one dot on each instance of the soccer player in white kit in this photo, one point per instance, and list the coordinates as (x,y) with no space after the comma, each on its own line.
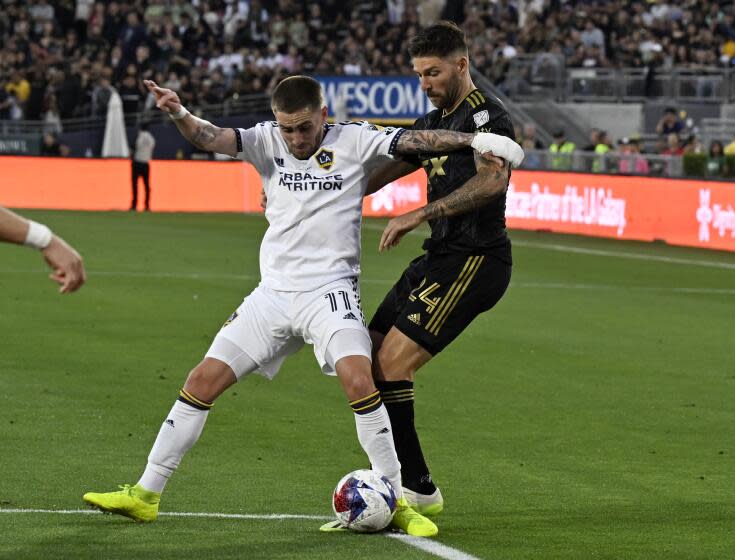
(66,264)
(315,176)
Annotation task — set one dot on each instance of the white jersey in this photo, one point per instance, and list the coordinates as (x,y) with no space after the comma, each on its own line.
(314,206)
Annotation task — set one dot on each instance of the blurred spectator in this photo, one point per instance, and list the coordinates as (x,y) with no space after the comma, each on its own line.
(52,117)
(145,143)
(131,94)
(527,139)
(630,160)
(594,140)
(562,151)
(730,148)
(603,147)
(18,87)
(429,11)
(693,145)
(716,159)
(5,102)
(101,96)
(673,145)
(669,123)
(50,146)
(592,36)
(396,9)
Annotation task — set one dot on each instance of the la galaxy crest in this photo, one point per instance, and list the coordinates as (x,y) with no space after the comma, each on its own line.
(325,158)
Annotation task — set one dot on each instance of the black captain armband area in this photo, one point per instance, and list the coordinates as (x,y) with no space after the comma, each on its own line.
(238,139)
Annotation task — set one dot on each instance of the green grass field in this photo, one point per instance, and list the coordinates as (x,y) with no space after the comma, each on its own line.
(590,415)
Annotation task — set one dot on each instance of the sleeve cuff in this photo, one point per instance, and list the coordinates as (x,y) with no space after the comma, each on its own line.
(394,142)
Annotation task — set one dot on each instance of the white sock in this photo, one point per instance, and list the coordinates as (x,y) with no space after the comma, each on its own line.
(178,433)
(376,437)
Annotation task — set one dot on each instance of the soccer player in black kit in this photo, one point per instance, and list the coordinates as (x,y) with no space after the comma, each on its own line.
(467,264)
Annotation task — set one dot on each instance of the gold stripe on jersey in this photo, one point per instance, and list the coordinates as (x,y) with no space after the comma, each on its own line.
(449,293)
(450,300)
(478,97)
(458,105)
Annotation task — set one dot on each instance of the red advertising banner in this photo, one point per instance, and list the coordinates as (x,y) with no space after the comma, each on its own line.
(677,211)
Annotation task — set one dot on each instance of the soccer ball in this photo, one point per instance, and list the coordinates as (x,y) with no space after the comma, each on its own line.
(364,501)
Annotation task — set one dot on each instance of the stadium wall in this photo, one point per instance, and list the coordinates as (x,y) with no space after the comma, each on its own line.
(678,211)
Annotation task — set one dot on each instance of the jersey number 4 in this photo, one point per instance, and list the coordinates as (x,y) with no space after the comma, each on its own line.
(425,295)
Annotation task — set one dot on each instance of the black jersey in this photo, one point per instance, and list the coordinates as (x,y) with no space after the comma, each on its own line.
(482,230)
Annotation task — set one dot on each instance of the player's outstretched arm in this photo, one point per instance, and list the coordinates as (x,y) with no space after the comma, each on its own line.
(202,134)
(65,262)
(490,181)
(422,141)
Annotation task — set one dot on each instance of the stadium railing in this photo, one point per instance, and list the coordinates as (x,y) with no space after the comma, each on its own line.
(717,129)
(546,75)
(243,104)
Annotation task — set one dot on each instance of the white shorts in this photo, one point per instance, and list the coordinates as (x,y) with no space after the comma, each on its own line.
(271,325)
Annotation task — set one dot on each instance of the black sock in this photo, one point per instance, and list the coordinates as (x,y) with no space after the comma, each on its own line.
(398,399)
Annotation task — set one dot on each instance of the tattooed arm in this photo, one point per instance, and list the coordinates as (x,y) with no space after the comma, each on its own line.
(202,134)
(418,141)
(422,141)
(490,181)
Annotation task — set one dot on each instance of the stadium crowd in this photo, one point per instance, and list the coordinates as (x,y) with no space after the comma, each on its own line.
(675,135)
(60,58)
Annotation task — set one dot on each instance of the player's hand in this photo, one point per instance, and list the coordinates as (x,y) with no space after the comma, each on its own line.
(66,264)
(263,199)
(500,146)
(398,227)
(166,99)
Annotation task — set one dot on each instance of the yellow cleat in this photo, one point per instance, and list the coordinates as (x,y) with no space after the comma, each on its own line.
(412,523)
(429,505)
(333,527)
(134,502)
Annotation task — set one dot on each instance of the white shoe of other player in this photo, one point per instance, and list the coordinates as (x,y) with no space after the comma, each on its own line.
(429,505)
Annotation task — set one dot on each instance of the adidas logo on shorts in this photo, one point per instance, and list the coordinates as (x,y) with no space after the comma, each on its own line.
(415,318)
(350,315)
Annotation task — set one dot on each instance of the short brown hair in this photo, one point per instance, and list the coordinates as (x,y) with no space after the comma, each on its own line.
(296,93)
(440,39)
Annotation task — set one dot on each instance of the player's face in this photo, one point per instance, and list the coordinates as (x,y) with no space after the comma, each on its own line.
(441,78)
(302,131)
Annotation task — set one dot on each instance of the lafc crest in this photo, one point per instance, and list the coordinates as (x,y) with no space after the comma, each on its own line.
(325,158)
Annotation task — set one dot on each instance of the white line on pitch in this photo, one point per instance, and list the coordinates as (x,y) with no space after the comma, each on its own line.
(427,545)
(432,547)
(574,286)
(382,282)
(264,517)
(595,252)
(175,275)
(623,254)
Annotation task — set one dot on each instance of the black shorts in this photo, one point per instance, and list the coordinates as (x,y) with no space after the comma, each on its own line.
(438,296)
